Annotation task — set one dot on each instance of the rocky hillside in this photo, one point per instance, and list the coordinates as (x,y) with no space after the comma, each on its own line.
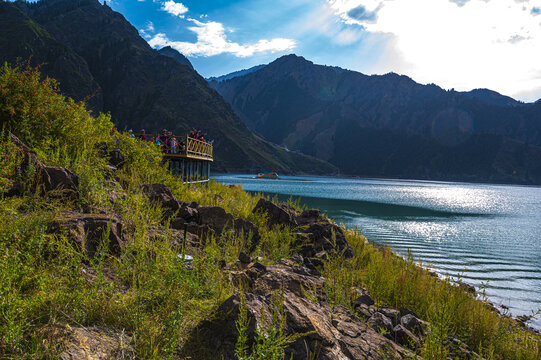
(93,50)
(389,125)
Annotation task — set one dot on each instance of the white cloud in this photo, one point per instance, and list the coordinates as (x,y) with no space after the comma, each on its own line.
(212,40)
(460,44)
(174,8)
(148,29)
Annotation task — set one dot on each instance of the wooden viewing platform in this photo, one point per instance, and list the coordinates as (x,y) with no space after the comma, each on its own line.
(192,149)
(190,159)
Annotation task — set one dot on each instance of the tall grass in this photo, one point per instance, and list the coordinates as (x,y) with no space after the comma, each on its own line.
(396,282)
(147,291)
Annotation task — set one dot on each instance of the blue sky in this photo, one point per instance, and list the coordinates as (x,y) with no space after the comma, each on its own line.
(461,44)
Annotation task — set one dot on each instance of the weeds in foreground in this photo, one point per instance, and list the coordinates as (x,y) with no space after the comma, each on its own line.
(270,339)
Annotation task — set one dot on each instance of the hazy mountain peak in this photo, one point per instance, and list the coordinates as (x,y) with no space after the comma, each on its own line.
(236,74)
(492,97)
(174,54)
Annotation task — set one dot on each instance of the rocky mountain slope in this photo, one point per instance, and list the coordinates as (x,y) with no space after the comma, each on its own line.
(21,38)
(389,125)
(91,49)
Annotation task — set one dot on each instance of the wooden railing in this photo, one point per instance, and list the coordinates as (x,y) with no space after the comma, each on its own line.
(198,148)
(192,148)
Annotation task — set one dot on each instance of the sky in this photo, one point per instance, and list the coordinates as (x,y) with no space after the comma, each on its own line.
(460,44)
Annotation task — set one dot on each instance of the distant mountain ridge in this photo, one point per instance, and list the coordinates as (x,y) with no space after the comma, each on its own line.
(236,73)
(388,125)
(92,49)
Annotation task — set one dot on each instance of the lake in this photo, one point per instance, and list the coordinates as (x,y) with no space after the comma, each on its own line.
(488,235)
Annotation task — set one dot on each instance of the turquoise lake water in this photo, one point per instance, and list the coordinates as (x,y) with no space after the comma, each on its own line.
(488,235)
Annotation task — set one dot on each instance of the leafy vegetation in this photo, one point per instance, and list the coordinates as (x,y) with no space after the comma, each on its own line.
(146,291)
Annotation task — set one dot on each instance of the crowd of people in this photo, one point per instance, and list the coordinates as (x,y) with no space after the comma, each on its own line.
(197,134)
(168,142)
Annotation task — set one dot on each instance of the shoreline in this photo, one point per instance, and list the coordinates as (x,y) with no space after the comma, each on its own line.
(535,326)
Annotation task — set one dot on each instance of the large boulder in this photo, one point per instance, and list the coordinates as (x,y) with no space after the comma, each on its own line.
(58,178)
(325,237)
(47,178)
(88,231)
(414,324)
(330,332)
(381,323)
(308,217)
(277,214)
(215,217)
(84,343)
(162,195)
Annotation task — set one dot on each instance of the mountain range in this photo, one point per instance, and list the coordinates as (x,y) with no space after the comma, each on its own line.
(98,56)
(332,119)
(388,125)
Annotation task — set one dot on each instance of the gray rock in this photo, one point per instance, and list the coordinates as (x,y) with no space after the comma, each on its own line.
(162,195)
(189,214)
(116,158)
(308,217)
(328,238)
(364,311)
(14,189)
(333,333)
(405,337)
(392,314)
(215,217)
(87,231)
(381,323)
(414,324)
(91,342)
(363,300)
(277,214)
(405,311)
(244,258)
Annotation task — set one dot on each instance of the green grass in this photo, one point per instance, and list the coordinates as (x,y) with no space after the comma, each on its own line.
(45,280)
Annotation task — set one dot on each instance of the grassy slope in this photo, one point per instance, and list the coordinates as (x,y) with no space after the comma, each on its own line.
(154,298)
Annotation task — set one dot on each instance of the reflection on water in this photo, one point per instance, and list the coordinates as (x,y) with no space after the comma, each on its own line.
(490,235)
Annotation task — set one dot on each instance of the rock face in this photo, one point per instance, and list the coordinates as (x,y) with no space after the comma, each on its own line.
(215,217)
(58,178)
(319,234)
(162,195)
(94,343)
(277,214)
(330,332)
(88,230)
(47,178)
(326,237)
